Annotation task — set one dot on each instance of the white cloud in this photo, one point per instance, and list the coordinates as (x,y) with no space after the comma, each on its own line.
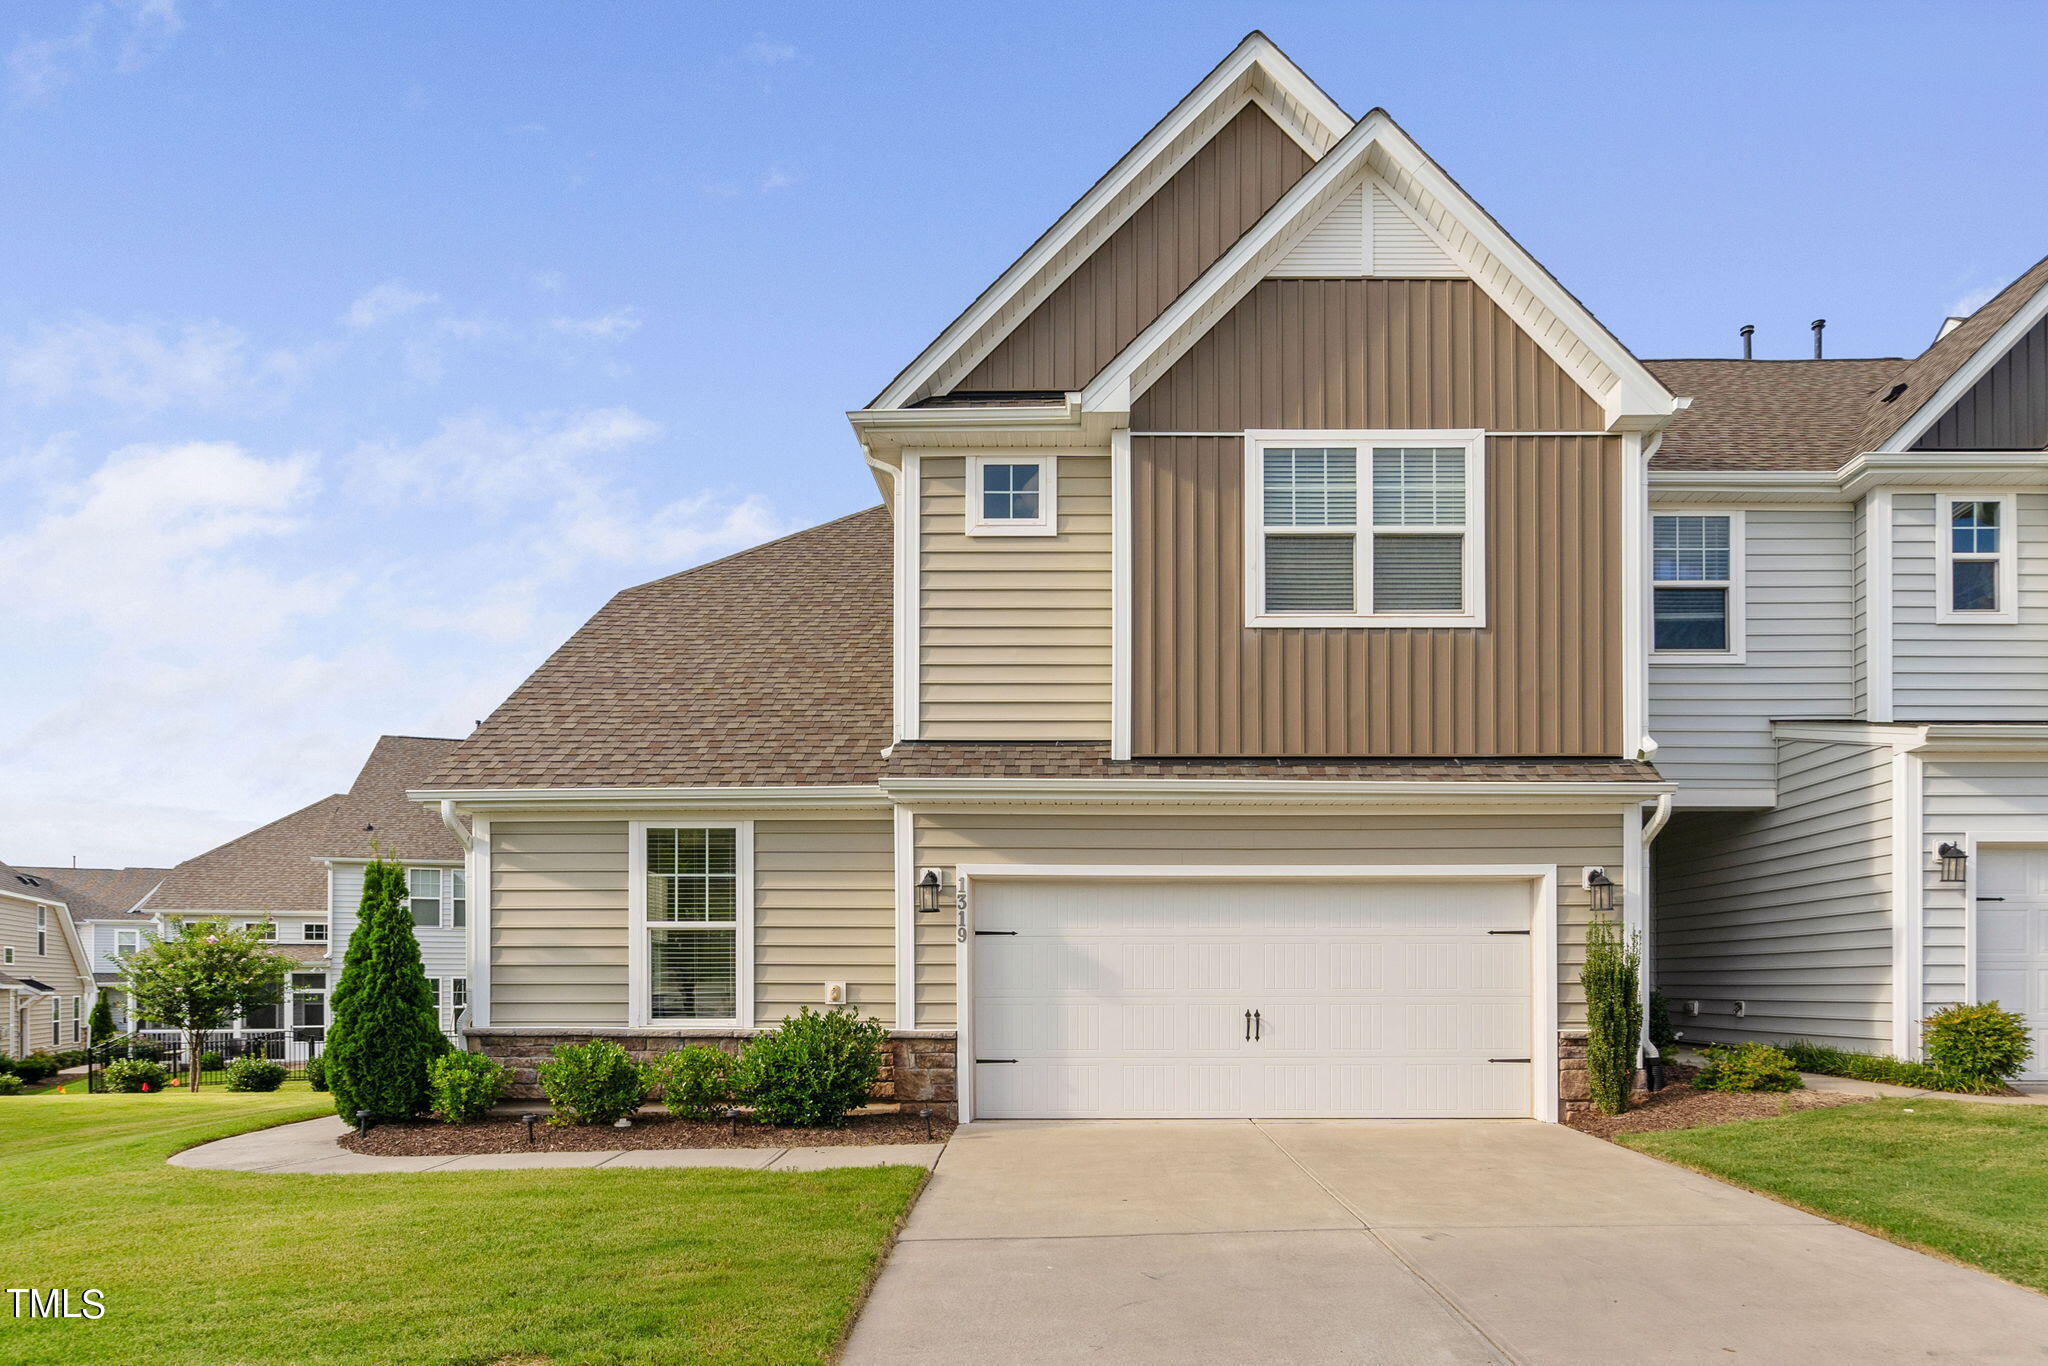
(491,463)
(775,178)
(1972,300)
(769,51)
(612,326)
(144,365)
(382,303)
(126,35)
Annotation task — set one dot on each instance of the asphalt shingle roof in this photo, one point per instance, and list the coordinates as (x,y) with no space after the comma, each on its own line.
(1090,759)
(102,893)
(1768,414)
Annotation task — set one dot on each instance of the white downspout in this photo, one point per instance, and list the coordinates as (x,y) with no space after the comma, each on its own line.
(1658,819)
(448,819)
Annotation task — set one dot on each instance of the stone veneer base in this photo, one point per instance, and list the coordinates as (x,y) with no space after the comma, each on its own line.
(917,1069)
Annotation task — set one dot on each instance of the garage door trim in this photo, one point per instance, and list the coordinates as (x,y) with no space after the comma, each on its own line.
(1542,880)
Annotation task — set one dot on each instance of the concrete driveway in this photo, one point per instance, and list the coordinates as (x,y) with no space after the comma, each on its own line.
(1395,1242)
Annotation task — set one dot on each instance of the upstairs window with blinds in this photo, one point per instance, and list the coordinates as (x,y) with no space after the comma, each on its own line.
(693,922)
(1696,573)
(1365,531)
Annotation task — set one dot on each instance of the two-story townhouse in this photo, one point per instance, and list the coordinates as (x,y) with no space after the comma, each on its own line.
(302,875)
(1235,707)
(1849,683)
(109,907)
(46,982)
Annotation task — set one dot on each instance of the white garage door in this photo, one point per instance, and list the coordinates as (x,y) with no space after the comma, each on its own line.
(1209,999)
(2012,940)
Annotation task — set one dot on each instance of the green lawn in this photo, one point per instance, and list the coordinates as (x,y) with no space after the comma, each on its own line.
(473,1269)
(1965,1181)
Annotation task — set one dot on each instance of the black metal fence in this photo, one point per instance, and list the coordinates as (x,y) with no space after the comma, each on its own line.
(290,1048)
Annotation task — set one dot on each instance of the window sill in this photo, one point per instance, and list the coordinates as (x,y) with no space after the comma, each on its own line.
(1697,657)
(1011,529)
(1947,617)
(1355,621)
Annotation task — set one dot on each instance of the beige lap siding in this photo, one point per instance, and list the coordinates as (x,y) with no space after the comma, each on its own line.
(823,904)
(1014,631)
(1570,841)
(55,968)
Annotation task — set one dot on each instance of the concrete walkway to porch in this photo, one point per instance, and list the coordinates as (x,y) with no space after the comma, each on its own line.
(310,1148)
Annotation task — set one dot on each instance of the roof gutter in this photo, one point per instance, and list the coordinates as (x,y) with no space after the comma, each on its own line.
(455,826)
(1214,791)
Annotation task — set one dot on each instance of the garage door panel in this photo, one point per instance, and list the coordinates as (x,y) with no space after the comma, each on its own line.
(1130,999)
(2012,940)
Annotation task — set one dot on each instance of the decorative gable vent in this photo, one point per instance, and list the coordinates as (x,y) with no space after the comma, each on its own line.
(1366,233)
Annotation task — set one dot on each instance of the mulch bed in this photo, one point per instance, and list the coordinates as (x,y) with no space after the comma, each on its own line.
(1680,1106)
(505,1134)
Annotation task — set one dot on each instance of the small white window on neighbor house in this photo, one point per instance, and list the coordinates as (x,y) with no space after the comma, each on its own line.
(423,885)
(1012,495)
(77,1020)
(315,931)
(1697,587)
(127,941)
(1365,529)
(42,931)
(1979,565)
(458,995)
(692,889)
(458,898)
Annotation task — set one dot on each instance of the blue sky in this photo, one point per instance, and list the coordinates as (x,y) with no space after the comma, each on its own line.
(350,355)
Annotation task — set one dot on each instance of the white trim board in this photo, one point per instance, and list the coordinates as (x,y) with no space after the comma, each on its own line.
(1965,378)
(1543,956)
(1121,568)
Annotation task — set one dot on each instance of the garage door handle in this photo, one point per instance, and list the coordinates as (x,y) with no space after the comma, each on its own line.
(1507,931)
(1507,1060)
(986,1061)
(1258,1026)
(995,931)
(1247,1026)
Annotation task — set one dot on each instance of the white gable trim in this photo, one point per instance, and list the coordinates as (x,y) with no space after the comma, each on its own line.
(1255,72)
(1631,396)
(1965,379)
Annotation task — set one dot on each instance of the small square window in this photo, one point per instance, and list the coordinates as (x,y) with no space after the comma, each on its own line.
(1007,496)
(1979,571)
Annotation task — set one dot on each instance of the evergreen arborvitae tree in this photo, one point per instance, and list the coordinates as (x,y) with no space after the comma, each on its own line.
(1612,977)
(384,1031)
(100,1024)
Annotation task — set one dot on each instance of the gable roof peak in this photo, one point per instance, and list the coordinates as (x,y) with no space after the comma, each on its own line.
(1957,358)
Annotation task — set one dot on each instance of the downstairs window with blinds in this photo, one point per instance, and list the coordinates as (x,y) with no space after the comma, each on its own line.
(1375,529)
(693,892)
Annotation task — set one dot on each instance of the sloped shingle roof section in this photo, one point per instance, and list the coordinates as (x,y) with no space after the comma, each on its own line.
(27,882)
(1769,414)
(766,668)
(374,816)
(102,893)
(269,869)
(1090,759)
(1949,354)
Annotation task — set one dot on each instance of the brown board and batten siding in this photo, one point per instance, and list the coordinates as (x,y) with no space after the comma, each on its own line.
(1542,677)
(1148,261)
(1014,631)
(824,912)
(2007,410)
(1437,842)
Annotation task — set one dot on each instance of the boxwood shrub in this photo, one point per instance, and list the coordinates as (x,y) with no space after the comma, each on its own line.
(136,1074)
(1748,1067)
(316,1072)
(256,1074)
(10,1085)
(1981,1042)
(462,1087)
(1882,1067)
(592,1083)
(812,1069)
(697,1082)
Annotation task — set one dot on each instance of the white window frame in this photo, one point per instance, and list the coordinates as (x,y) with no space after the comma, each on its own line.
(1737,584)
(2008,560)
(440,897)
(639,957)
(7,954)
(1473,531)
(120,948)
(42,931)
(77,1020)
(1046,523)
(313,932)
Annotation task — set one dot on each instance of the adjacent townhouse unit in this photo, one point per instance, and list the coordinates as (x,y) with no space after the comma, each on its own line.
(108,907)
(1237,706)
(1849,684)
(302,876)
(46,984)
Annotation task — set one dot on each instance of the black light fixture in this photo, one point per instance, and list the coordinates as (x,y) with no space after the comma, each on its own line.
(529,1120)
(928,890)
(1602,888)
(1954,862)
(362,1123)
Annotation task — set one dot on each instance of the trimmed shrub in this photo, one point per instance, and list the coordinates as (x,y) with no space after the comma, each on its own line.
(812,1069)
(316,1072)
(1612,977)
(255,1074)
(136,1074)
(70,1057)
(212,1062)
(10,1085)
(1748,1067)
(1663,1032)
(592,1083)
(385,1032)
(1981,1043)
(464,1086)
(697,1082)
(99,1026)
(143,1050)
(35,1067)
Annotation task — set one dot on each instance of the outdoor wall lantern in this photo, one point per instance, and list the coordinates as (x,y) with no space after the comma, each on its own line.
(1602,888)
(1953,859)
(928,890)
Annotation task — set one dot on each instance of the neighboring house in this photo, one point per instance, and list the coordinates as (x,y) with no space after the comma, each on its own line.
(46,984)
(107,905)
(1850,674)
(1236,708)
(303,875)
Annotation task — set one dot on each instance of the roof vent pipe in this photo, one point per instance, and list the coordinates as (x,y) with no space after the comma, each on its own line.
(1748,332)
(1819,326)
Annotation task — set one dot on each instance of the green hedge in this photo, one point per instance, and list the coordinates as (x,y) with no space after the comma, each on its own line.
(1882,1067)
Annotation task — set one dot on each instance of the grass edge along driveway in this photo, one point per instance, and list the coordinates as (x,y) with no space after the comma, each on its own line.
(1964,1181)
(595,1268)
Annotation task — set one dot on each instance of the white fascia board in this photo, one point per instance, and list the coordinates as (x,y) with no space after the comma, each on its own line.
(1862,474)
(842,794)
(1966,377)
(1254,60)
(1261,791)
(1636,403)
(874,421)
(1897,735)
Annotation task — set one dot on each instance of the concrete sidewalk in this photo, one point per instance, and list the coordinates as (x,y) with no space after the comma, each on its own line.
(1395,1242)
(309,1148)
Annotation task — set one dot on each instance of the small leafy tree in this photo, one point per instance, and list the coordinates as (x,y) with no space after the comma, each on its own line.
(1612,978)
(384,1033)
(203,977)
(100,1025)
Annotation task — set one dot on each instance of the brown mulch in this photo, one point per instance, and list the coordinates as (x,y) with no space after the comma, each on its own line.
(1680,1106)
(651,1129)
